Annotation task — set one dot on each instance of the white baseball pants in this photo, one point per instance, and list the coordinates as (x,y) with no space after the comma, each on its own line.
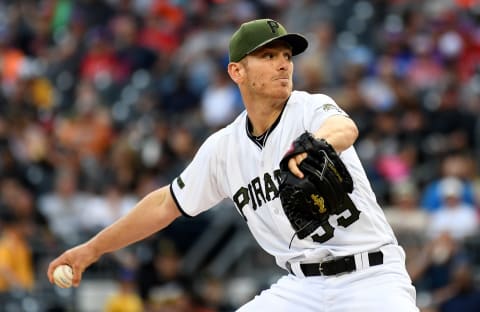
(385,287)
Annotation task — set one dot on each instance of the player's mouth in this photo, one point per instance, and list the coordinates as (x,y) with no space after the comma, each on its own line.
(283,79)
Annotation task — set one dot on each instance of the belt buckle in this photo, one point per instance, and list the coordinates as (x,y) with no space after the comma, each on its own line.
(320,269)
(320,263)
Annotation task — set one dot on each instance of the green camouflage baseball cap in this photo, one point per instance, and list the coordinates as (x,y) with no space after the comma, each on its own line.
(255,34)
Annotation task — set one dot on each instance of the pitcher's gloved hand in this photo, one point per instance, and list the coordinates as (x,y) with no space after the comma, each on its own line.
(309,202)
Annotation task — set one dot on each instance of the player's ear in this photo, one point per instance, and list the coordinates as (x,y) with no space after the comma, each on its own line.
(235,71)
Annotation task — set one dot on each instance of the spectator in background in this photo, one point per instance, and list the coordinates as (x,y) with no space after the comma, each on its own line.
(123,165)
(215,295)
(125,298)
(424,71)
(462,293)
(21,201)
(454,217)
(432,269)
(221,101)
(454,165)
(162,26)
(160,281)
(65,58)
(106,208)
(100,64)
(128,50)
(378,89)
(351,99)
(405,206)
(407,219)
(181,100)
(450,127)
(12,59)
(63,207)
(323,64)
(16,263)
(89,133)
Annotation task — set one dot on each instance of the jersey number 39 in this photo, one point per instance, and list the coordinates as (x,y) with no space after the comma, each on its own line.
(328,229)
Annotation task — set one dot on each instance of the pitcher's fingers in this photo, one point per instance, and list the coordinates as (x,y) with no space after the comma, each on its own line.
(293,166)
(51,267)
(77,275)
(50,272)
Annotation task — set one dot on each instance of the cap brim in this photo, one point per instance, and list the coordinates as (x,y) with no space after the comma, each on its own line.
(296,41)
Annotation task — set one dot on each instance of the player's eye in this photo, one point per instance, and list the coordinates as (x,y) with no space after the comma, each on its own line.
(268,55)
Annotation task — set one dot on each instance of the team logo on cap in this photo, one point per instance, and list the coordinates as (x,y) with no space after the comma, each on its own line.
(273,26)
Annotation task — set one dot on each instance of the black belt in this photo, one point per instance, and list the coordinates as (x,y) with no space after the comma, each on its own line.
(338,266)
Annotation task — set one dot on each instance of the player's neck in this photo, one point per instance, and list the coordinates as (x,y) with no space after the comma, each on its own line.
(262,117)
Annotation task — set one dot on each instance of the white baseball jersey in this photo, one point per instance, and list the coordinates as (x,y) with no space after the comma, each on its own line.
(232,164)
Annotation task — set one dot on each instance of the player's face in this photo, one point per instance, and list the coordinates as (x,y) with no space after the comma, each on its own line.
(269,71)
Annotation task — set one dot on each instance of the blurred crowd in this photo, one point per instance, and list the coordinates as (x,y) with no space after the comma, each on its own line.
(102,101)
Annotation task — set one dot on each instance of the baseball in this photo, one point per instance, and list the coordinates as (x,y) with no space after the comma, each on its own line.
(63,276)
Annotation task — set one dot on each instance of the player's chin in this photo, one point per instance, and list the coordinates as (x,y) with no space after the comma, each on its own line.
(283,92)
(285,83)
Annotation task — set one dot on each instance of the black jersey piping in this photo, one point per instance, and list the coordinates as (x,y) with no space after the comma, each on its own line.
(178,204)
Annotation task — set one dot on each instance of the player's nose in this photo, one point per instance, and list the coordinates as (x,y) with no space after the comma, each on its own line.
(284,65)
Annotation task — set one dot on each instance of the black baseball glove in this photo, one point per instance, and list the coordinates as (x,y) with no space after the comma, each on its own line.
(309,202)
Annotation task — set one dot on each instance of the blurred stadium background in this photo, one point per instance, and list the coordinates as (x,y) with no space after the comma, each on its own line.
(102,101)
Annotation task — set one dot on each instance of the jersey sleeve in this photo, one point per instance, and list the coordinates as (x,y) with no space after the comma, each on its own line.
(322,107)
(197,188)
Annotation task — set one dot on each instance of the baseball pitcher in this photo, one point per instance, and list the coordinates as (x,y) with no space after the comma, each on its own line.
(289,166)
